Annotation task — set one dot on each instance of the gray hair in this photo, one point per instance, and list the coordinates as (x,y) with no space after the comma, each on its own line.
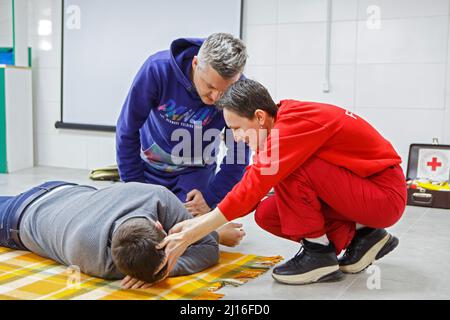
(224,53)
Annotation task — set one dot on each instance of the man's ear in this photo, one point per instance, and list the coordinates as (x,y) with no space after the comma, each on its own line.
(195,62)
(261,117)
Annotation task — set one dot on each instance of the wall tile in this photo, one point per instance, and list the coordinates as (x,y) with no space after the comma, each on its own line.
(446,124)
(46,114)
(301,43)
(446,119)
(261,42)
(6,27)
(422,40)
(65,149)
(404,127)
(306,83)
(344,9)
(400,86)
(405,8)
(343,42)
(101,151)
(47,84)
(291,11)
(46,10)
(260,12)
(266,75)
(46,51)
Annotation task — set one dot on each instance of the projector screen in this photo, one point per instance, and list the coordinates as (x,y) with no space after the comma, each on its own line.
(106,42)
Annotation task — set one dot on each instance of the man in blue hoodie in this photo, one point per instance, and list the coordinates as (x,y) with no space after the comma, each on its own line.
(169,129)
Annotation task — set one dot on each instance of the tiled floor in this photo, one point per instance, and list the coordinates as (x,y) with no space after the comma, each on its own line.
(417,269)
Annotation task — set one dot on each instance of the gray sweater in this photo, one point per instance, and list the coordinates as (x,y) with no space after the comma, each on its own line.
(73,225)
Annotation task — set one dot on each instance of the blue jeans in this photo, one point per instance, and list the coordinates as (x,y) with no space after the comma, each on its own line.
(9,207)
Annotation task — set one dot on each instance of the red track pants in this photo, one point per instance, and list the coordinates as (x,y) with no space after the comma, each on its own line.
(321,198)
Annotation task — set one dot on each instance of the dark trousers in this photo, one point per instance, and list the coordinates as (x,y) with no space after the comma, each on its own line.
(12,208)
(182,183)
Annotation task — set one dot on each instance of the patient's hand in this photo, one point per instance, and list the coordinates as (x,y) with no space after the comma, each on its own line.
(133,283)
(231,234)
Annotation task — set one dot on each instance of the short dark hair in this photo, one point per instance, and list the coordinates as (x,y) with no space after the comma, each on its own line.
(133,249)
(246,96)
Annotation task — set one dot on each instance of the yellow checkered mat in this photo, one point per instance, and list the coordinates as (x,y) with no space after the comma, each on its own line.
(26,276)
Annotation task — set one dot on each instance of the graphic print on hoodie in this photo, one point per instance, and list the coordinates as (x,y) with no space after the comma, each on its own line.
(162,99)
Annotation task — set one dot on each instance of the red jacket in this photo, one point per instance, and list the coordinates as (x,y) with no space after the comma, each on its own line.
(306,129)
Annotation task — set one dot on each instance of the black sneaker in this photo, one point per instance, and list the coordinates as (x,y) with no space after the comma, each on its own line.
(367,246)
(313,263)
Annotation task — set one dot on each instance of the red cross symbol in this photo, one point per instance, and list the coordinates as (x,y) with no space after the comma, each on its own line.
(434,164)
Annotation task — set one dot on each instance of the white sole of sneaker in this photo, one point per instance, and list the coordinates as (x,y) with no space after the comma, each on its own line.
(306,278)
(367,259)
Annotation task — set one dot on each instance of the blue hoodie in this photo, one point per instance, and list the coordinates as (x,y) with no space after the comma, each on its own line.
(161,100)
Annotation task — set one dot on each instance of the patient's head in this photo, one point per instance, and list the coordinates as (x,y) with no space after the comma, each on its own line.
(134,252)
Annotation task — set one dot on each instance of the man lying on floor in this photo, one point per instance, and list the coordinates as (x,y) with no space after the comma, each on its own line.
(109,233)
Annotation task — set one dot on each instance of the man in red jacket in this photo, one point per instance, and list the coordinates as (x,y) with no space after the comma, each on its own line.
(337,181)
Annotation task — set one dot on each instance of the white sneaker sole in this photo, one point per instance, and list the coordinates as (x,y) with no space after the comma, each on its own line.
(367,259)
(306,278)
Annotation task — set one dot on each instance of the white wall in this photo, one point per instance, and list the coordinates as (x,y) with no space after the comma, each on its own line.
(21,33)
(19,119)
(6,23)
(395,77)
(60,148)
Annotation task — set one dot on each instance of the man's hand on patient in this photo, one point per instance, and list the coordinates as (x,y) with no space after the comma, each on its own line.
(185,233)
(196,204)
(176,243)
(230,234)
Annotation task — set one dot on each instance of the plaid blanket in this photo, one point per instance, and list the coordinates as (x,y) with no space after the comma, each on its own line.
(26,276)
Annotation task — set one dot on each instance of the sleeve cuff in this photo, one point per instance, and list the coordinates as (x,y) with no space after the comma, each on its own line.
(215,235)
(135,179)
(210,198)
(225,211)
